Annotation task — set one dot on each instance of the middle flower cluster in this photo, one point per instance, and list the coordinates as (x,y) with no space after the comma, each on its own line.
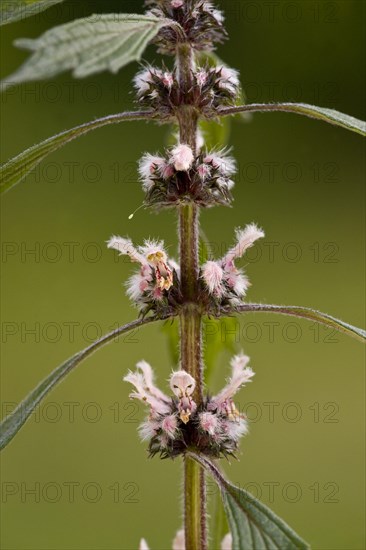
(156,285)
(181,177)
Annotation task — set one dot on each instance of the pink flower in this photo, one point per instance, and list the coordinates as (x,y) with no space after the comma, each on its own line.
(182,157)
(245,239)
(201,78)
(149,166)
(222,162)
(179,541)
(209,422)
(212,274)
(177,3)
(137,379)
(182,384)
(170,425)
(153,260)
(186,408)
(167,80)
(240,375)
(142,81)
(203,171)
(227,542)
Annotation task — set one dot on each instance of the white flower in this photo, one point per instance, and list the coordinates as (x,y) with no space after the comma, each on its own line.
(240,375)
(222,162)
(149,167)
(148,374)
(143,545)
(182,157)
(137,379)
(182,384)
(153,260)
(179,541)
(142,81)
(126,248)
(245,239)
(228,79)
(227,542)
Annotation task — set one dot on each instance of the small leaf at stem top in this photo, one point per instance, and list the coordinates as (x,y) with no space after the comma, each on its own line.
(88,46)
(16,10)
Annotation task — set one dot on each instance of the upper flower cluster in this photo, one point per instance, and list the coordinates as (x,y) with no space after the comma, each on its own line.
(181,177)
(156,284)
(201,22)
(225,283)
(211,88)
(177,423)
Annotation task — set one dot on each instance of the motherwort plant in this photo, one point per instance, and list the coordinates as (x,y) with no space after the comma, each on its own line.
(190,423)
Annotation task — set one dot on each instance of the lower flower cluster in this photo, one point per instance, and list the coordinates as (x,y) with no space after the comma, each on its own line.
(176,424)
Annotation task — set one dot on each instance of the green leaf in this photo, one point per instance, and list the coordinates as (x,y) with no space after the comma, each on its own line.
(219,335)
(16,10)
(88,46)
(253,526)
(320,113)
(305,313)
(216,133)
(16,169)
(171,331)
(10,426)
(218,524)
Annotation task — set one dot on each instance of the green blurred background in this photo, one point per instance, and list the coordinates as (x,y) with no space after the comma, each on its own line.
(301,180)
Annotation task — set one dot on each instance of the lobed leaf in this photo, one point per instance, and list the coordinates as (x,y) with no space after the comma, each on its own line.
(253,525)
(16,10)
(312,111)
(10,426)
(305,313)
(16,169)
(87,46)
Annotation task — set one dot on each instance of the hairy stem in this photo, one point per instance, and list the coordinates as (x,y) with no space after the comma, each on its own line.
(191,317)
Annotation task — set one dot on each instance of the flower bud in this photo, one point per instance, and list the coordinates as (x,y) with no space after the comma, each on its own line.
(182,157)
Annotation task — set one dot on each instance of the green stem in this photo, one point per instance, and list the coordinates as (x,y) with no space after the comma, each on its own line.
(194,489)
(190,317)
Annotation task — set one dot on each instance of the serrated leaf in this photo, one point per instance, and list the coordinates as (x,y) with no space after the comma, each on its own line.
(16,10)
(253,525)
(305,313)
(10,426)
(88,46)
(16,169)
(321,113)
